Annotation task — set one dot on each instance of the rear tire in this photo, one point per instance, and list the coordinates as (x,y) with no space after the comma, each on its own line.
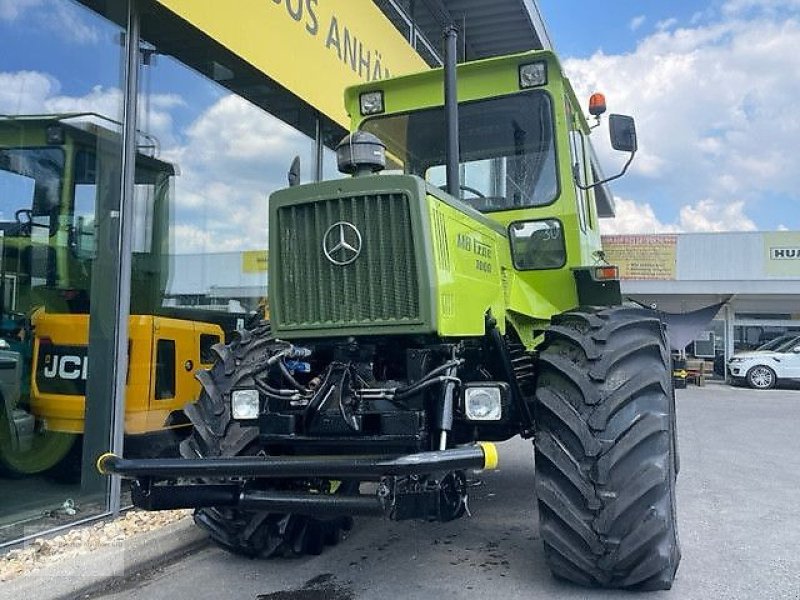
(605,448)
(250,533)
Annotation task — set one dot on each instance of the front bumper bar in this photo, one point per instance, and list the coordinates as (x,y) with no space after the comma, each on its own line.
(149,495)
(479,456)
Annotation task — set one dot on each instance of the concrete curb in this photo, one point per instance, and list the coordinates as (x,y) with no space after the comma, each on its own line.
(102,568)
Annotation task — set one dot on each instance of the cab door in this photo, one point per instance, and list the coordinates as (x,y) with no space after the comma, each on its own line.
(180,348)
(175,357)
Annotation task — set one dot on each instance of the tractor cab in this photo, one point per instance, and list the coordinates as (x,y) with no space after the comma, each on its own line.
(524,159)
(50,200)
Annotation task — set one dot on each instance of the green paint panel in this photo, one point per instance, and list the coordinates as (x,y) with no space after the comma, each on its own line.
(386,288)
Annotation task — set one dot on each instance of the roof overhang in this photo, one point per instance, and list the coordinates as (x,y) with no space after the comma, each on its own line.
(488,28)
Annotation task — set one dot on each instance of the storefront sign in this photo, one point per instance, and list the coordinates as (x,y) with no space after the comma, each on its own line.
(314,48)
(782,253)
(642,256)
(254,261)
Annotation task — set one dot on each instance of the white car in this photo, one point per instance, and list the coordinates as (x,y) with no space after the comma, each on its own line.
(763,367)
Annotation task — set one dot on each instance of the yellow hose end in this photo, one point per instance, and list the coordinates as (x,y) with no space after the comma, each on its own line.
(101,460)
(490,456)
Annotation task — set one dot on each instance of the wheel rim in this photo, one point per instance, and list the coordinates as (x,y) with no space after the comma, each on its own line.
(761,377)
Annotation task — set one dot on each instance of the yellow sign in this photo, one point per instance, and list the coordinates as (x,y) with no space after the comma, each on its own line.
(642,256)
(314,48)
(254,261)
(782,253)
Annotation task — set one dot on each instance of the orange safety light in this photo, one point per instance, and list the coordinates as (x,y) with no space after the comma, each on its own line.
(597,105)
(605,273)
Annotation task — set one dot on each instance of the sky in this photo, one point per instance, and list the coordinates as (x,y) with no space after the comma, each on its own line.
(712,85)
(713,88)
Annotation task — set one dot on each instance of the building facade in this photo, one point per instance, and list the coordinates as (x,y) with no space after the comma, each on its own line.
(752,277)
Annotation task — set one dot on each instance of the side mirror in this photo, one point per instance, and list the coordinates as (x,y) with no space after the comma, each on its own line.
(294,172)
(796,349)
(622,129)
(623,137)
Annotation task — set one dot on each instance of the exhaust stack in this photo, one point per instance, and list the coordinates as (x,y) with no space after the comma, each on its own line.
(451,109)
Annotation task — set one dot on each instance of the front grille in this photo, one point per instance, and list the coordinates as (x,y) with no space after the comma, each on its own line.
(380,287)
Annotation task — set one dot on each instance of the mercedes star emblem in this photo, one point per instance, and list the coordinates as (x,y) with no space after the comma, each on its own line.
(342,243)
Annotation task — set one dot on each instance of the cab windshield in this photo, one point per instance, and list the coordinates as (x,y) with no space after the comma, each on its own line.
(508,157)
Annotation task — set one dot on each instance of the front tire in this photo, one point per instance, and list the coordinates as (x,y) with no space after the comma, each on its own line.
(250,533)
(761,377)
(605,450)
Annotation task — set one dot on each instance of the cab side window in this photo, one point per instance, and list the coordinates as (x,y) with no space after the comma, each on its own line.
(165,369)
(580,170)
(207,341)
(538,245)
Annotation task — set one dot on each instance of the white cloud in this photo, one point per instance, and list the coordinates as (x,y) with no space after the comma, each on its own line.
(715,105)
(33,92)
(637,22)
(705,215)
(70,24)
(197,239)
(738,7)
(233,156)
(708,215)
(633,217)
(25,92)
(104,101)
(666,24)
(62,18)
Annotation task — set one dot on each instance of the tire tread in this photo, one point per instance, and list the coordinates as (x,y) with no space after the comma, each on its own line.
(605,451)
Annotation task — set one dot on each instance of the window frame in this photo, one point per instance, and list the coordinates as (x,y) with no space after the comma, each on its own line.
(555,142)
(540,220)
(53,217)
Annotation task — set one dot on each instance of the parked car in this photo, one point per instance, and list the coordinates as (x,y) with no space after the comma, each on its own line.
(768,364)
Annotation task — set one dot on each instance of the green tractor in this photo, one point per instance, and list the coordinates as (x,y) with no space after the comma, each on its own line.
(419,314)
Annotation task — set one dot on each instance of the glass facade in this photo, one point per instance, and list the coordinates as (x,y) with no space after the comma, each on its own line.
(137,156)
(61,109)
(124,152)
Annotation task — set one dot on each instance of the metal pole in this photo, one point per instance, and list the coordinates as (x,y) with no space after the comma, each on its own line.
(129,145)
(319,150)
(451,108)
(730,317)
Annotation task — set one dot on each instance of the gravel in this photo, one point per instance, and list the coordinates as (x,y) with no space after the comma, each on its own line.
(45,551)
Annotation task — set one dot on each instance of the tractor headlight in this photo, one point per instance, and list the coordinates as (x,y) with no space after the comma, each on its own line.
(371,103)
(484,402)
(244,404)
(533,75)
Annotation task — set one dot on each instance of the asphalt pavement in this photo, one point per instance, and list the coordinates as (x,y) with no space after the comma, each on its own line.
(738,510)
